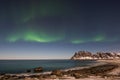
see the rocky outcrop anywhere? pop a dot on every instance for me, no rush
(38, 69)
(83, 55)
(57, 72)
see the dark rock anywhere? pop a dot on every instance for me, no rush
(7, 76)
(38, 69)
(77, 75)
(57, 72)
(28, 71)
(2, 73)
(46, 76)
(21, 77)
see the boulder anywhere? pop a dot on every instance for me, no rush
(28, 71)
(57, 72)
(38, 69)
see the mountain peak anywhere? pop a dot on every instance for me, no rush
(85, 55)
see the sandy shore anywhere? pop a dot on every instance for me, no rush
(115, 71)
(104, 70)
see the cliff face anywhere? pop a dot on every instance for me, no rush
(99, 55)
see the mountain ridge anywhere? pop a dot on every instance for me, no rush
(85, 55)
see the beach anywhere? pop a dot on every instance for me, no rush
(103, 70)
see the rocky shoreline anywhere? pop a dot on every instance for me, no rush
(99, 71)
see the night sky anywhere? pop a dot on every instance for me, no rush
(55, 29)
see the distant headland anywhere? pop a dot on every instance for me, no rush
(85, 55)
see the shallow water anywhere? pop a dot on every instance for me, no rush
(20, 66)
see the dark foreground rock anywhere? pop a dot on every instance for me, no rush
(57, 72)
(38, 69)
(29, 70)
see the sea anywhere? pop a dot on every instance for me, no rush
(21, 66)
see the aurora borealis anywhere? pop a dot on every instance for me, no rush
(57, 28)
(34, 37)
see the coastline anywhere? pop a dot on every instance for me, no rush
(72, 73)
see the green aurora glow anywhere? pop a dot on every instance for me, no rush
(98, 38)
(31, 36)
(42, 37)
